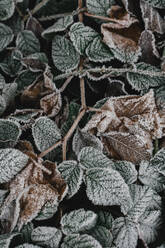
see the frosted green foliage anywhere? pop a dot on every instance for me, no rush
(26, 232)
(12, 162)
(90, 157)
(10, 132)
(160, 93)
(27, 42)
(26, 245)
(64, 55)
(7, 8)
(61, 25)
(46, 236)
(152, 173)
(25, 78)
(2, 82)
(144, 77)
(81, 36)
(80, 241)
(125, 56)
(160, 4)
(35, 62)
(97, 51)
(125, 233)
(82, 139)
(127, 170)
(105, 219)
(6, 36)
(11, 64)
(106, 187)
(103, 235)
(72, 174)
(15, 23)
(47, 212)
(5, 239)
(78, 221)
(2, 196)
(73, 112)
(45, 133)
(99, 7)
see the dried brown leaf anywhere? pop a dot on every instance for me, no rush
(33, 25)
(152, 20)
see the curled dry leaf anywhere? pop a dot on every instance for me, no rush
(152, 20)
(31, 189)
(43, 94)
(123, 32)
(127, 125)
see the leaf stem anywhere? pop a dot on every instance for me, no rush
(104, 18)
(65, 84)
(80, 15)
(44, 153)
(36, 8)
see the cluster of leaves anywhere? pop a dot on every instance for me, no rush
(49, 51)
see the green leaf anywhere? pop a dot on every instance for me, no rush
(97, 51)
(10, 132)
(82, 139)
(45, 133)
(103, 235)
(26, 245)
(12, 161)
(64, 55)
(80, 241)
(26, 232)
(27, 42)
(72, 174)
(25, 78)
(127, 170)
(160, 4)
(15, 23)
(46, 236)
(7, 8)
(144, 77)
(90, 157)
(152, 173)
(81, 36)
(6, 36)
(125, 233)
(105, 219)
(47, 212)
(106, 187)
(5, 239)
(61, 25)
(125, 56)
(99, 7)
(78, 221)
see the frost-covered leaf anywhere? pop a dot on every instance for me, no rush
(156, 3)
(60, 25)
(15, 23)
(103, 235)
(6, 35)
(27, 42)
(72, 174)
(90, 157)
(144, 77)
(25, 78)
(105, 219)
(106, 187)
(47, 211)
(82, 139)
(26, 232)
(45, 133)
(7, 8)
(5, 239)
(127, 170)
(99, 7)
(125, 233)
(97, 51)
(10, 132)
(152, 173)
(12, 162)
(152, 19)
(2, 196)
(35, 62)
(78, 221)
(11, 64)
(80, 241)
(64, 55)
(35, 26)
(24, 116)
(81, 36)
(46, 236)
(122, 35)
(26, 245)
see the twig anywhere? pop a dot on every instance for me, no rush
(94, 109)
(18, 9)
(82, 86)
(42, 154)
(65, 84)
(71, 130)
(36, 8)
(104, 18)
(41, 166)
(80, 15)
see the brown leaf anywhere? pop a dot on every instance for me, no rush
(33, 25)
(123, 32)
(152, 20)
(34, 64)
(128, 122)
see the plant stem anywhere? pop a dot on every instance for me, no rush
(42, 154)
(104, 18)
(36, 8)
(80, 15)
(39, 165)
(65, 84)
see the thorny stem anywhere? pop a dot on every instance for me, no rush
(36, 8)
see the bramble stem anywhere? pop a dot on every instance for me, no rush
(65, 84)
(42, 154)
(36, 8)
